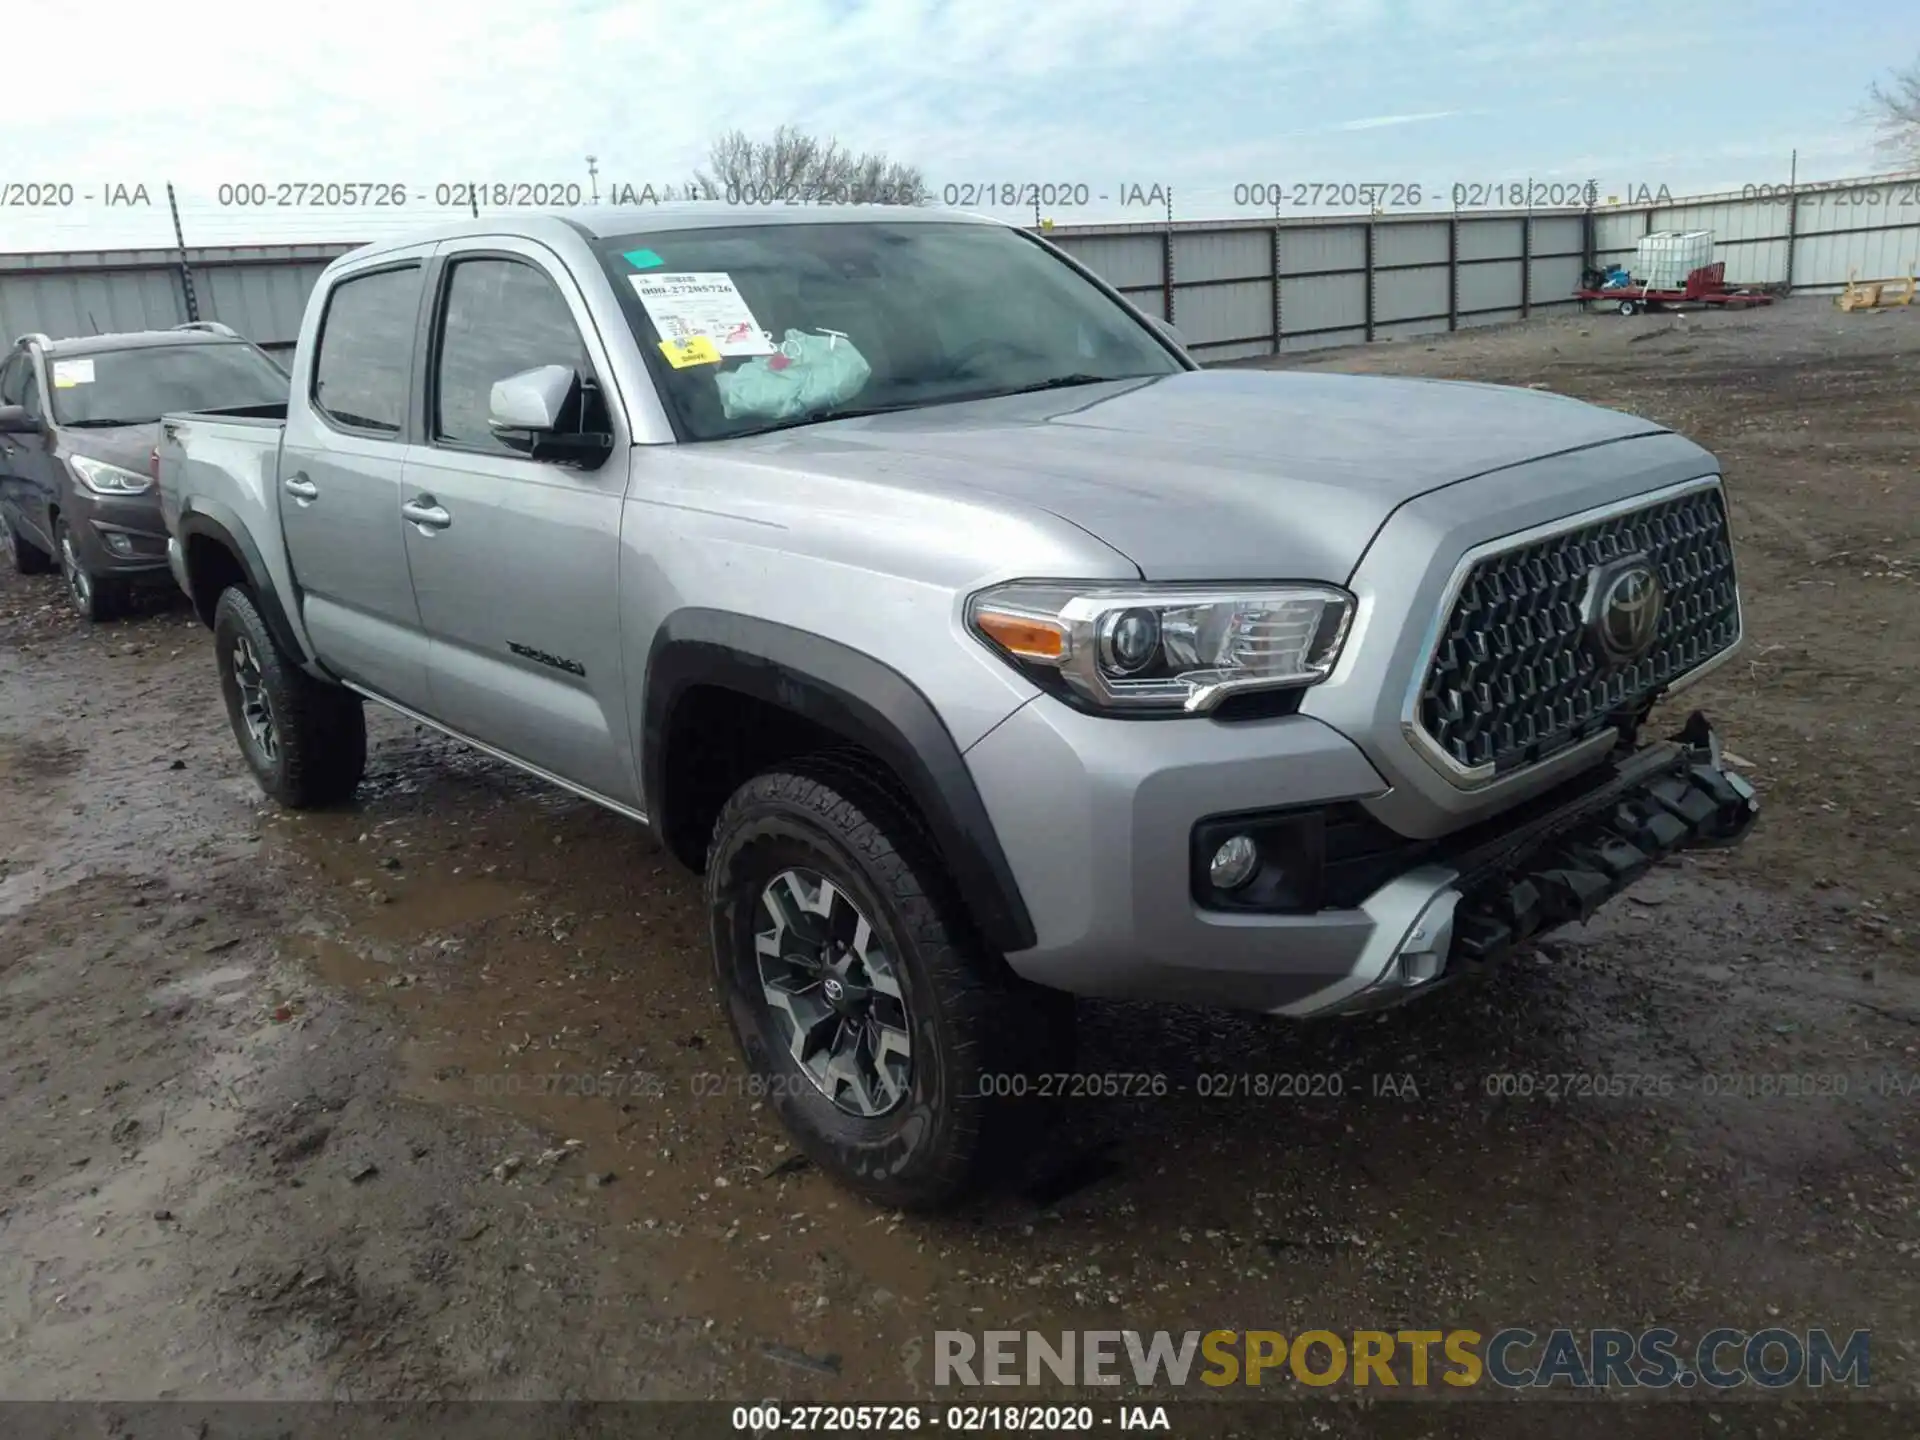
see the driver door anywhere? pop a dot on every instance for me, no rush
(515, 561)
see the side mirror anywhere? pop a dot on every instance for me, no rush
(1169, 330)
(14, 420)
(538, 412)
(532, 401)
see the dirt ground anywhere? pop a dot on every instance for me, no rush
(431, 1098)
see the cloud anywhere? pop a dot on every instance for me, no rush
(1381, 122)
(1199, 94)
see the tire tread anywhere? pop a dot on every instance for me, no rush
(998, 1024)
(323, 730)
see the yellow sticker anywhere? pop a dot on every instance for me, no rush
(64, 382)
(695, 350)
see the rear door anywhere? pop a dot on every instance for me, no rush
(348, 426)
(516, 563)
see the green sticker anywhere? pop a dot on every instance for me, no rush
(642, 259)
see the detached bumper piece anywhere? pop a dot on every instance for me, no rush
(1561, 867)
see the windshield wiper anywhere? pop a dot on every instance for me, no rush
(1058, 382)
(820, 417)
(107, 424)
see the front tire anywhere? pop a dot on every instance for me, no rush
(94, 597)
(306, 742)
(894, 1046)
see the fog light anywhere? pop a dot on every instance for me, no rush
(1233, 863)
(118, 543)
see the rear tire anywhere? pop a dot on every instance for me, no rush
(20, 554)
(957, 1034)
(94, 597)
(305, 741)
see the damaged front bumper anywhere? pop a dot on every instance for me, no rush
(1489, 890)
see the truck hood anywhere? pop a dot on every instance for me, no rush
(1213, 473)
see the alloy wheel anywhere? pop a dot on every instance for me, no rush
(79, 583)
(255, 713)
(834, 993)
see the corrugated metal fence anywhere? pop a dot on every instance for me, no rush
(1236, 288)
(261, 291)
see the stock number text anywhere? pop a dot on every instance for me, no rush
(300, 194)
(1374, 194)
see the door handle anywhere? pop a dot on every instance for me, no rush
(300, 487)
(426, 513)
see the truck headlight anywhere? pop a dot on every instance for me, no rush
(1161, 647)
(100, 478)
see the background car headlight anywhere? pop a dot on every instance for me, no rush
(1157, 647)
(103, 479)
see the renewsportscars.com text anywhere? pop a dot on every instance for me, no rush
(1511, 1358)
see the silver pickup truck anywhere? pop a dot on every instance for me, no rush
(978, 647)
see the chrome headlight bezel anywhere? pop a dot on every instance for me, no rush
(1067, 629)
(107, 481)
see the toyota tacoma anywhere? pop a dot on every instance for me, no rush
(978, 647)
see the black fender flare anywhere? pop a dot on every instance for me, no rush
(199, 524)
(855, 696)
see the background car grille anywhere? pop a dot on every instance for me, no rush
(1513, 680)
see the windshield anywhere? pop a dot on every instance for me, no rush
(790, 324)
(138, 386)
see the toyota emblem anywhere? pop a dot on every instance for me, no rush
(1623, 609)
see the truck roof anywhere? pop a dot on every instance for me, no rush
(600, 221)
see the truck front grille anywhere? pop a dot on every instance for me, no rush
(1514, 678)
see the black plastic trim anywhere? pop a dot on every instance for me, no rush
(194, 523)
(852, 695)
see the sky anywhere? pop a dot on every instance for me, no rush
(1121, 99)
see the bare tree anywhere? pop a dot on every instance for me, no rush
(792, 165)
(1895, 109)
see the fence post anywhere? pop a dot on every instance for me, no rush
(1370, 282)
(1453, 273)
(1526, 266)
(186, 270)
(1273, 269)
(1589, 231)
(1793, 233)
(1166, 261)
(1793, 215)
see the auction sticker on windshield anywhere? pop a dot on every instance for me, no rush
(696, 351)
(702, 303)
(68, 373)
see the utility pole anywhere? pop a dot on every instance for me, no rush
(186, 271)
(593, 176)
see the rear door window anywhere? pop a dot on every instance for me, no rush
(363, 367)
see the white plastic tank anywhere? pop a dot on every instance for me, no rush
(1666, 257)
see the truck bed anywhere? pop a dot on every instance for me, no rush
(229, 462)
